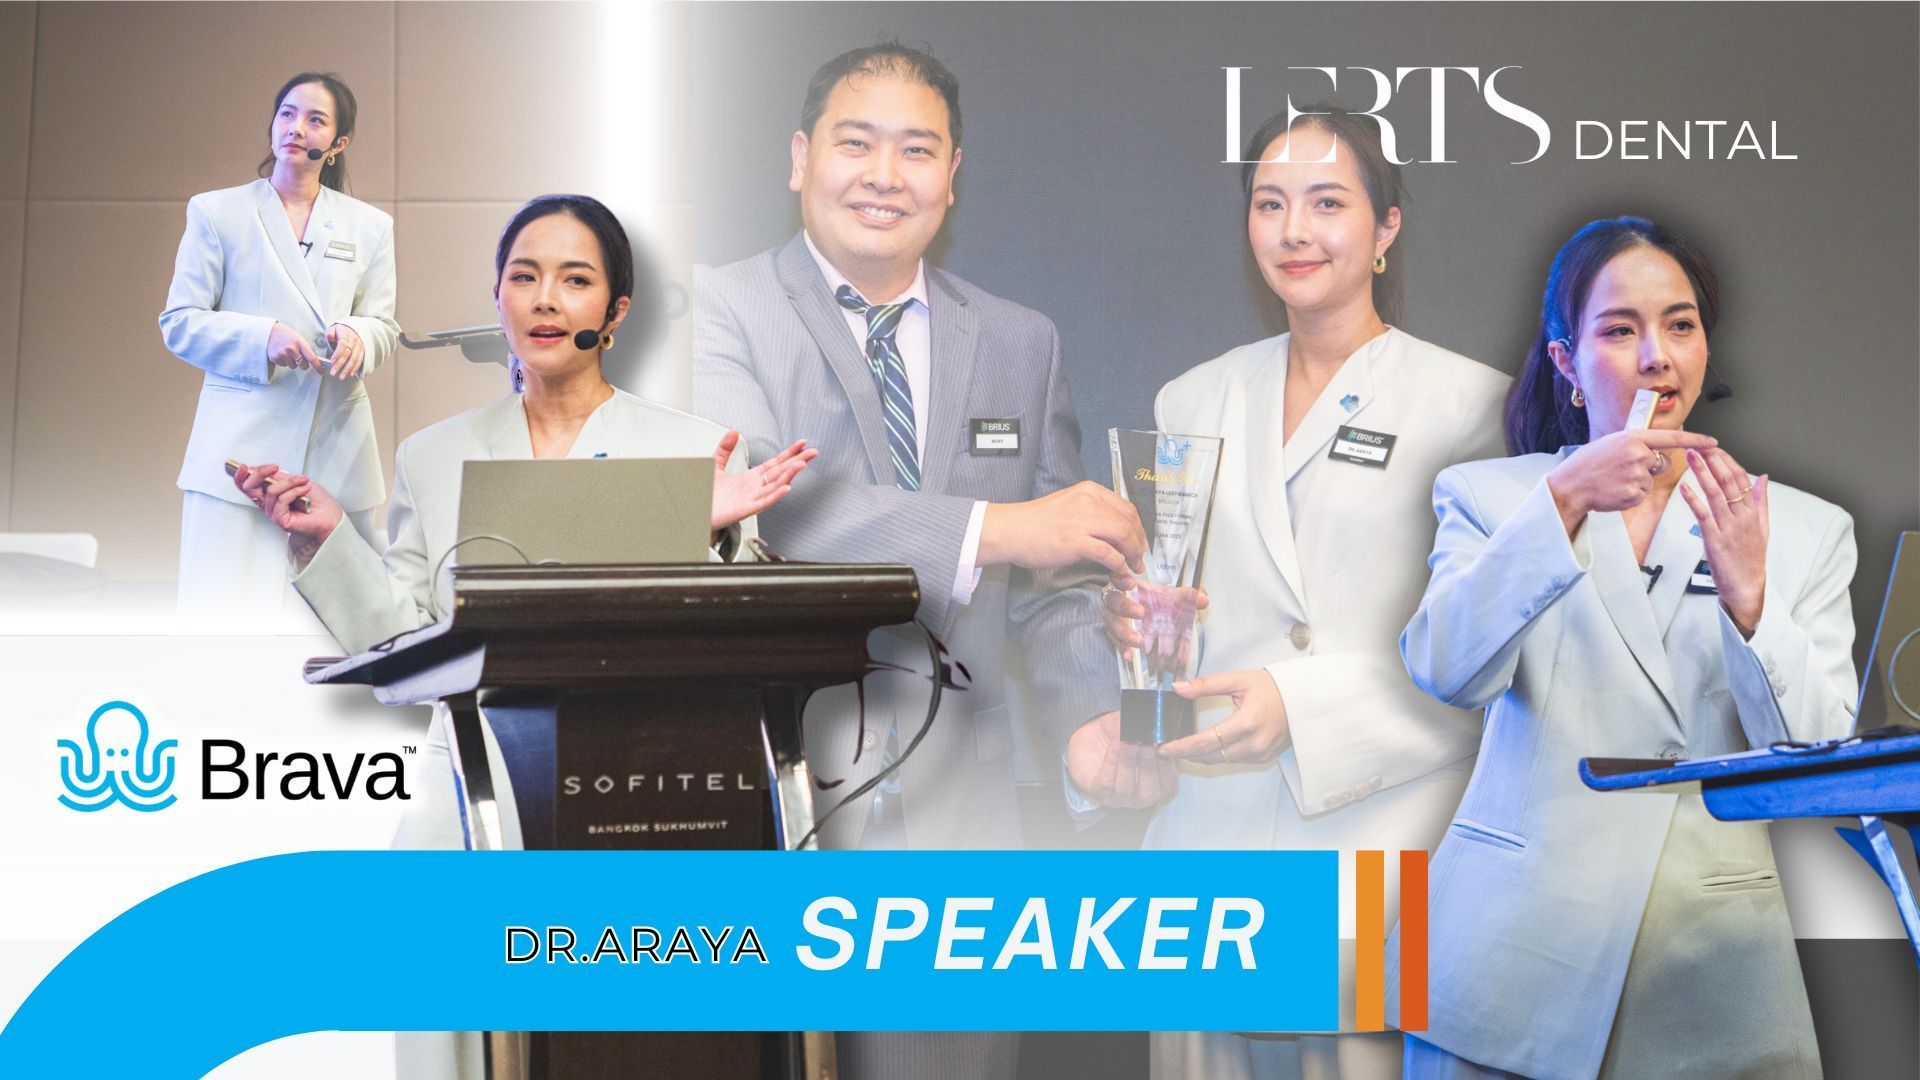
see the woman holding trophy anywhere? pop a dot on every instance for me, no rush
(1309, 732)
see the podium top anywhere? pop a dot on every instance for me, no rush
(608, 626)
(1868, 749)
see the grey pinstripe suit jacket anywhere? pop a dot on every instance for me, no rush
(774, 360)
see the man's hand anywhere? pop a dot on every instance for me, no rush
(1116, 773)
(1085, 521)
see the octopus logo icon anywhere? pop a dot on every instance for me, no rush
(120, 763)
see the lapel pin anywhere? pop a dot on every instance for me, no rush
(1350, 402)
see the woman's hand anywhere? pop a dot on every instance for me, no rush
(275, 493)
(1615, 472)
(1732, 510)
(289, 350)
(349, 352)
(1254, 733)
(740, 495)
(1157, 617)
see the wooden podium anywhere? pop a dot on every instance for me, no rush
(639, 707)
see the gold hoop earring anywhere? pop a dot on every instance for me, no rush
(606, 340)
(1579, 399)
(1380, 263)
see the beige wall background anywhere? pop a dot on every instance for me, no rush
(113, 115)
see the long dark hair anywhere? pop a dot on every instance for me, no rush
(1541, 417)
(345, 110)
(1360, 134)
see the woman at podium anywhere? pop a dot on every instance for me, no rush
(566, 281)
(1621, 588)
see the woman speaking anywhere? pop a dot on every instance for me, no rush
(566, 282)
(1594, 614)
(283, 294)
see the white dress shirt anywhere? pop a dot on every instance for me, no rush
(914, 339)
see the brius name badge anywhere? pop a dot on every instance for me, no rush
(1701, 580)
(340, 249)
(1362, 447)
(993, 438)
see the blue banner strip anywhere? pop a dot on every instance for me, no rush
(602, 941)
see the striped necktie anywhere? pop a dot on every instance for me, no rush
(890, 376)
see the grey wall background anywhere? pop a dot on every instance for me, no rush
(1091, 190)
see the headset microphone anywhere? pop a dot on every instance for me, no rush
(317, 153)
(586, 339)
(1719, 391)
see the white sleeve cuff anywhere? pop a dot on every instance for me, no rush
(968, 575)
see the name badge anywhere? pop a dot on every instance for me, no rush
(1362, 447)
(338, 249)
(1701, 580)
(993, 438)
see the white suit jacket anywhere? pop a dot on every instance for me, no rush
(239, 270)
(1539, 887)
(1374, 763)
(365, 598)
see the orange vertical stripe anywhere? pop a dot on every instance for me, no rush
(1413, 941)
(1370, 940)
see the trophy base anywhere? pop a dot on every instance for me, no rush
(1154, 716)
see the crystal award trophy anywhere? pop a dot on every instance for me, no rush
(1169, 480)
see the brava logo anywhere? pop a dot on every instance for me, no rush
(120, 763)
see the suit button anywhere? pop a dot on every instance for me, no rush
(1301, 635)
(1671, 753)
(867, 740)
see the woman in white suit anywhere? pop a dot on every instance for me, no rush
(283, 294)
(563, 266)
(1310, 735)
(1577, 934)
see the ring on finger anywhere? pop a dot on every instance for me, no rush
(1659, 464)
(1740, 497)
(1223, 745)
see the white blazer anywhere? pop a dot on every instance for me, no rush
(239, 270)
(1318, 597)
(366, 598)
(1539, 887)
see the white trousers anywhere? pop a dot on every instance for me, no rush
(234, 576)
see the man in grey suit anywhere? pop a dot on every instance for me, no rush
(947, 441)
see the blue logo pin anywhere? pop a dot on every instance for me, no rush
(120, 763)
(1350, 402)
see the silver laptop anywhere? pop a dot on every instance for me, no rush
(585, 510)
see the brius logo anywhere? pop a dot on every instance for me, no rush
(120, 763)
